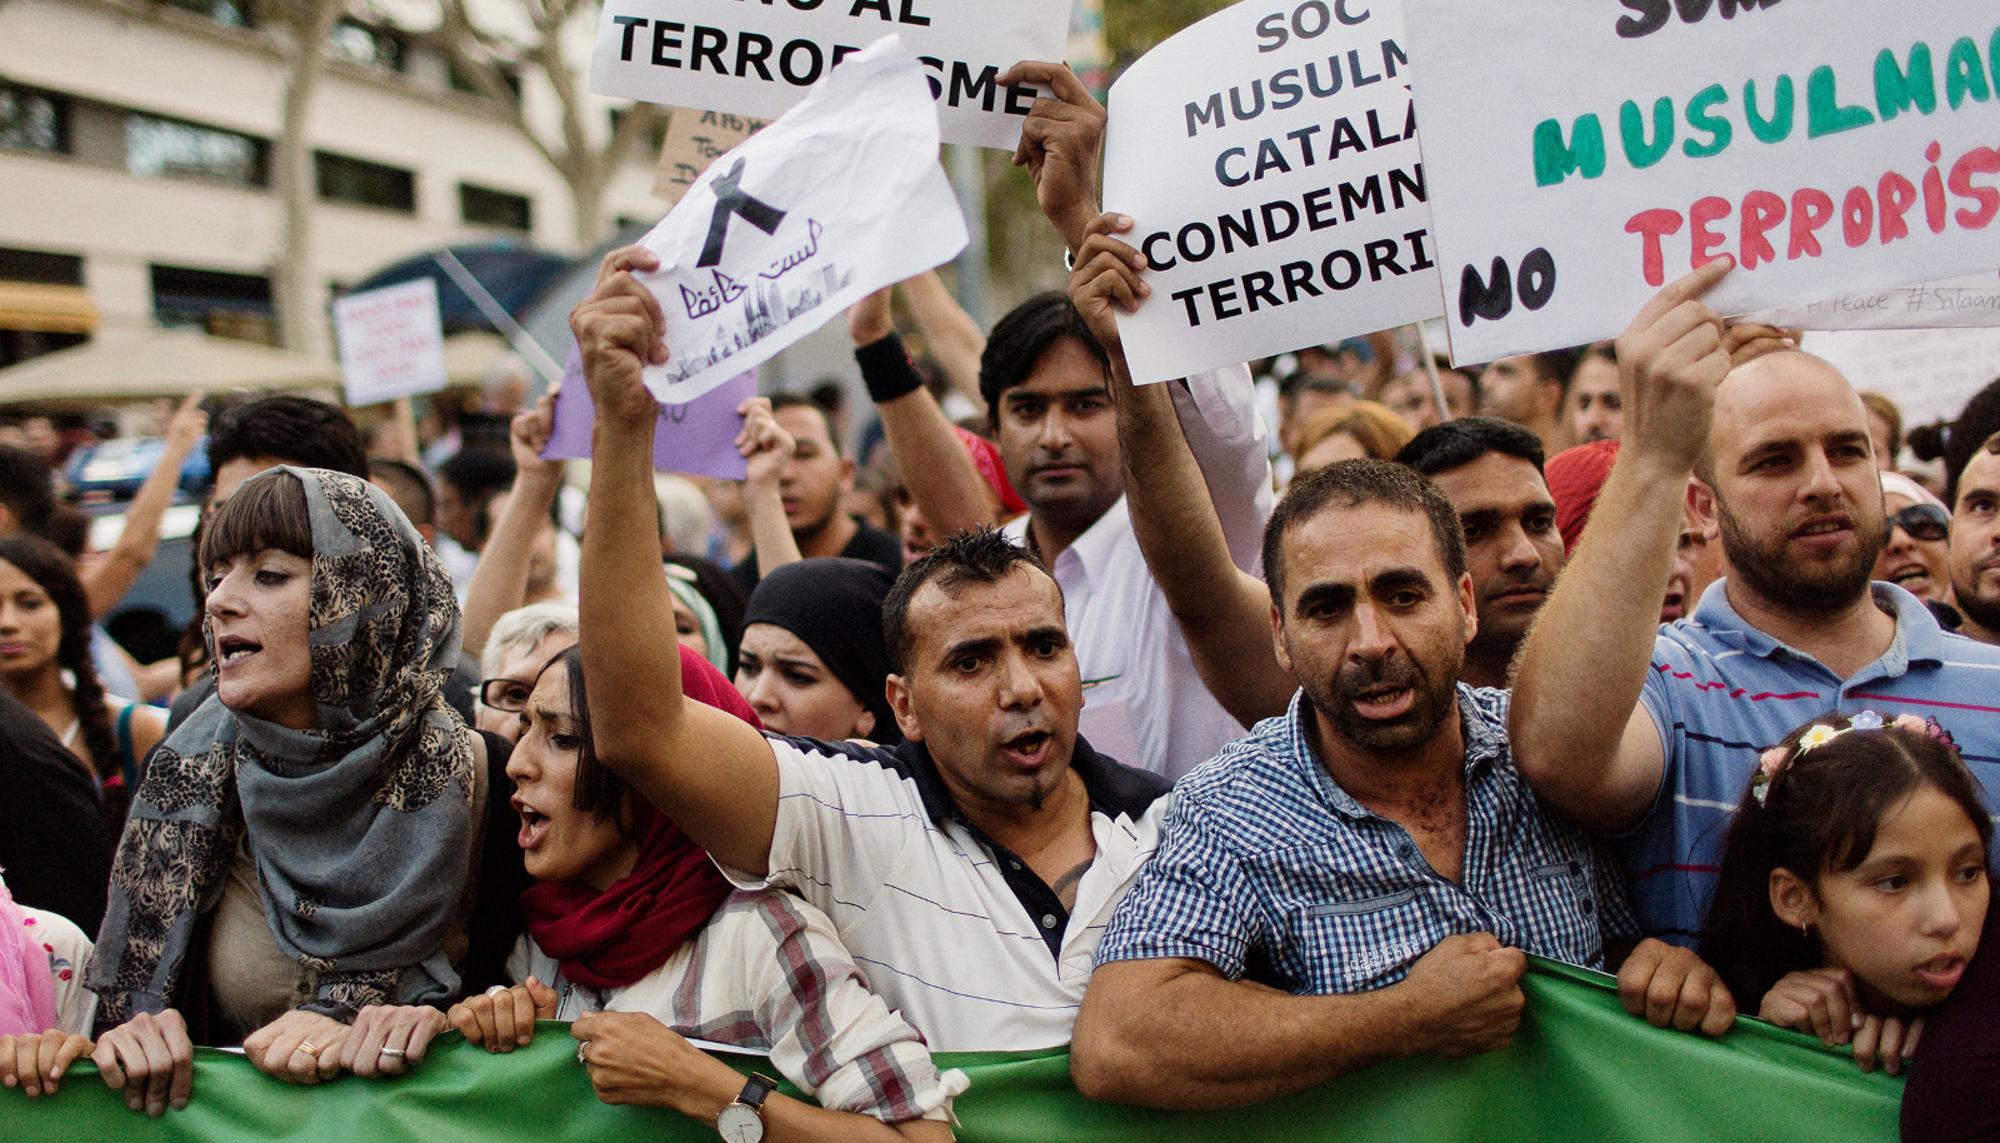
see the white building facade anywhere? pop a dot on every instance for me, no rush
(136, 142)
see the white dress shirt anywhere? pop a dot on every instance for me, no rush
(1143, 700)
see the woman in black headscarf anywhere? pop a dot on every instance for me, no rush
(812, 662)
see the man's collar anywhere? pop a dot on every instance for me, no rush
(1092, 547)
(1918, 639)
(1114, 789)
(1485, 743)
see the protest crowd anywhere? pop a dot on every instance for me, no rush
(1239, 732)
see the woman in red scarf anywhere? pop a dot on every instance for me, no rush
(643, 944)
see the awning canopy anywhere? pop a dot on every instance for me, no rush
(41, 308)
(513, 274)
(158, 363)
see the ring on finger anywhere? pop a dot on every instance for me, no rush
(579, 1052)
(309, 1048)
(393, 1053)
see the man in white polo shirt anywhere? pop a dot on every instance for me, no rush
(971, 870)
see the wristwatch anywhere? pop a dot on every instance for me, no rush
(743, 1120)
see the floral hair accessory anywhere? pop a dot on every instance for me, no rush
(1769, 765)
(1774, 761)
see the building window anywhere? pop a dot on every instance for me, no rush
(460, 81)
(229, 13)
(168, 147)
(484, 206)
(357, 43)
(33, 121)
(358, 181)
(41, 267)
(215, 301)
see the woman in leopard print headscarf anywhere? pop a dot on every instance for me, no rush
(326, 774)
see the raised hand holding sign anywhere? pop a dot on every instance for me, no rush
(840, 196)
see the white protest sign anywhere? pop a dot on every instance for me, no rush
(758, 57)
(1930, 374)
(1266, 155)
(1959, 303)
(694, 140)
(841, 196)
(391, 342)
(1581, 153)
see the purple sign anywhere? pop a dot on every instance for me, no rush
(697, 438)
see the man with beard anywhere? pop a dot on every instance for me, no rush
(1975, 544)
(1653, 733)
(1491, 471)
(1357, 880)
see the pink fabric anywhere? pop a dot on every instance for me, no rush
(27, 994)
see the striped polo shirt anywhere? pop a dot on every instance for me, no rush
(1721, 692)
(1269, 870)
(954, 931)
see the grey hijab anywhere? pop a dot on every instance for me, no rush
(362, 830)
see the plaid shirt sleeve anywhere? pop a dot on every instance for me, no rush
(1189, 901)
(829, 1034)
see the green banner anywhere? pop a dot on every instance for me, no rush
(1581, 1069)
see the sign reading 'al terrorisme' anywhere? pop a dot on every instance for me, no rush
(1583, 153)
(839, 197)
(759, 57)
(1268, 158)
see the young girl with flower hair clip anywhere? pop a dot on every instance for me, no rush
(1853, 887)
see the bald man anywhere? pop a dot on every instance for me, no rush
(1651, 733)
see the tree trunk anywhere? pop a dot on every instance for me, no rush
(586, 192)
(300, 307)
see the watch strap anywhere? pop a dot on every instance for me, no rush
(756, 1090)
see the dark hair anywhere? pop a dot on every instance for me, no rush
(1558, 365)
(725, 596)
(46, 564)
(599, 792)
(976, 555)
(1020, 339)
(69, 529)
(408, 485)
(794, 401)
(27, 488)
(479, 475)
(1958, 442)
(268, 511)
(1818, 816)
(1352, 483)
(1452, 444)
(297, 430)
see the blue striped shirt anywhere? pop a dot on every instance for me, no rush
(1267, 868)
(1720, 692)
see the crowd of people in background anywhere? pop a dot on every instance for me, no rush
(1240, 731)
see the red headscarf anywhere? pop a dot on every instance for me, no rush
(614, 938)
(1576, 476)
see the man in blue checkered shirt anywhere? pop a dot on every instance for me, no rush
(1358, 879)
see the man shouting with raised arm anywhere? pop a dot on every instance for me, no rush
(1652, 732)
(973, 867)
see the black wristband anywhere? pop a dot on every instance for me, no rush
(886, 369)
